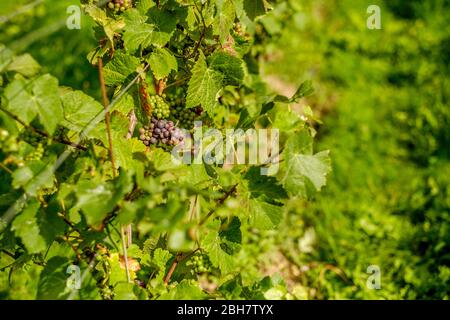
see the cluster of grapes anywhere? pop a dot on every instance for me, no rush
(161, 131)
(120, 5)
(185, 117)
(37, 153)
(161, 110)
(201, 263)
(107, 293)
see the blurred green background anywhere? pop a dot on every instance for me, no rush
(383, 99)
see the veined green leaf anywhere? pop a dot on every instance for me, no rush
(303, 174)
(96, 200)
(162, 62)
(231, 67)
(224, 19)
(120, 68)
(254, 8)
(264, 215)
(39, 97)
(204, 86)
(79, 110)
(26, 227)
(25, 65)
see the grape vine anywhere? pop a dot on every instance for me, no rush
(111, 200)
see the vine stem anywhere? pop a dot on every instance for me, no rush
(202, 35)
(175, 83)
(5, 168)
(178, 259)
(220, 202)
(107, 114)
(43, 133)
(125, 254)
(123, 229)
(131, 127)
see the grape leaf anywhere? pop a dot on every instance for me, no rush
(158, 259)
(284, 118)
(185, 290)
(224, 19)
(140, 33)
(204, 86)
(27, 229)
(212, 245)
(254, 8)
(39, 97)
(6, 57)
(303, 174)
(34, 176)
(124, 291)
(305, 89)
(138, 36)
(162, 63)
(231, 67)
(231, 236)
(264, 215)
(120, 68)
(262, 186)
(109, 25)
(165, 23)
(96, 200)
(25, 65)
(79, 109)
(53, 280)
(123, 148)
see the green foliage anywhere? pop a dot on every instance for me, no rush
(383, 96)
(204, 86)
(80, 190)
